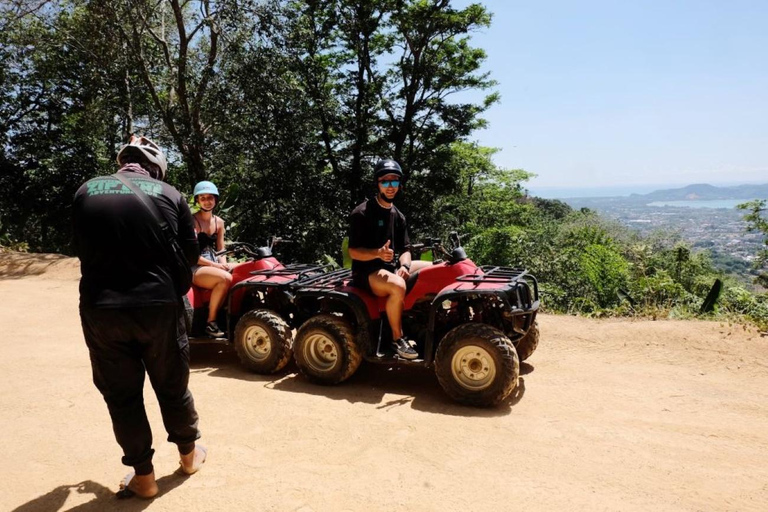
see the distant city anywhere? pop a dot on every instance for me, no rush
(703, 215)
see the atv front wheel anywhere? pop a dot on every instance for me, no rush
(325, 350)
(477, 364)
(526, 345)
(262, 341)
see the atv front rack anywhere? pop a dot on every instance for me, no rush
(493, 274)
(518, 280)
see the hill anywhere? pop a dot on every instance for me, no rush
(705, 192)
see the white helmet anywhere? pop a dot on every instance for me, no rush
(147, 149)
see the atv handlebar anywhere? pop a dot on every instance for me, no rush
(252, 250)
(430, 243)
(436, 245)
(233, 247)
(274, 240)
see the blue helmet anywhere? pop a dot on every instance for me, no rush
(206, 187)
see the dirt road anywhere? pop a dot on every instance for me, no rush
(609, 415)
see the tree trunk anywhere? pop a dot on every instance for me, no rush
(195, 165)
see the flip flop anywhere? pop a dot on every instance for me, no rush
(126, 492)
(194, 470)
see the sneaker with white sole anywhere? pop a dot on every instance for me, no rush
(404, 349)
(213, 330)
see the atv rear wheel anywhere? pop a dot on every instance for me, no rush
(477, 364)
(526, 345)
(325, 350)
(262, 341)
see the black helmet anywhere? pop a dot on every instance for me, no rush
(386, 166)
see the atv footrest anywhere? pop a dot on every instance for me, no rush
(392, 359)
(200, 340)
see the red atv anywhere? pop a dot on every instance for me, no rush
(259, 312)
(474, 324)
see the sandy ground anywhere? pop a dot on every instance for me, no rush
(609, 415)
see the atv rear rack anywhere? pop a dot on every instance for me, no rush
(328, 280)
(301, 271)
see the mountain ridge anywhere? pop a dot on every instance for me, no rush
(705, 192)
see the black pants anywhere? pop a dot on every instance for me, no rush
(125, 342)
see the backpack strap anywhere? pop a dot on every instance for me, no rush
(146, 201)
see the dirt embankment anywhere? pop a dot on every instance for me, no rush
(608, 415)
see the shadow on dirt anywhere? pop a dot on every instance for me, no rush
(103, 497)
(16, 265)
(371, 384)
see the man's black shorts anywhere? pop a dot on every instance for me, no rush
(361, 281)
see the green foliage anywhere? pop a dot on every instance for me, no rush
(292, 101)
(756, 221)
(499, 246)
(737, 300)
(57, 118)
(604, 271)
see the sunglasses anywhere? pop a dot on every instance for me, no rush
(390, 183)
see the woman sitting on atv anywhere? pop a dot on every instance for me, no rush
(211, 272)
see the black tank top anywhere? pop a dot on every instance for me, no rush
(207, 242)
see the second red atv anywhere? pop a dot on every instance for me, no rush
(473, 324)
(259, 313)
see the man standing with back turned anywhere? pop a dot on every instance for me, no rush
(131, 311)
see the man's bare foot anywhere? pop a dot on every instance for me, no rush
(193, 461)
(143, 486)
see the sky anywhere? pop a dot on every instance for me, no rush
(625, 95)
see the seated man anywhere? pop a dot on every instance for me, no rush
(377, 230)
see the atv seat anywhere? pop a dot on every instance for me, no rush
(377, 305)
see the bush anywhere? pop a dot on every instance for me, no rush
(737, 300)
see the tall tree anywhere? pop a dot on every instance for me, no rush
(380, 75)
(61, 108)
(177, 47)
